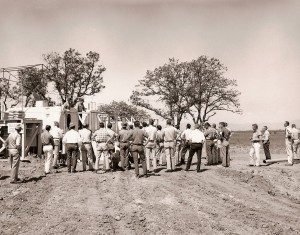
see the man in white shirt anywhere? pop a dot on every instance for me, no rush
(72, 141)
(86, 147)
(295, 139)
(196, 140)
(185, 136)
(255, 146)
(266, 142)
(150, 145)
(57, 135)
(289, 143)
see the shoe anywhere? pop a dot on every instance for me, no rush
(137, 176)
(55, 167)
(198, 171)
(121, 169)
(146, 176)
(186, 169)
(250, 165)
(74, 171)
(289, 164)
(155, 171)
(168, 171)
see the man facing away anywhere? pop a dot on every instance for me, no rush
(169, 135)
(178, 146)
(295, 139)
(223, 136)
(123, 138)
(138, 136)
(196, 140)
(266, 142)
(289, 143)
(111, 143)
(211, 150)
(160, 145)
(72, 141)
(86, 147)
(13, 145)
(48, 143)
(57, 135)
(150, 145)
(254, 151)
(101, 136)
(185, 136)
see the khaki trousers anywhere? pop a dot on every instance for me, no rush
(150, 154)
(289, 150)
(170, 157)
(48, 153)
(14, 162)
(254, 154)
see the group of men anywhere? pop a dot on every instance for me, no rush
(292, 135)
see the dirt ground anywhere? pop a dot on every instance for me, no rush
(235, 200)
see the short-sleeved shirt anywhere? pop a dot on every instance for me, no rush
(112, 134)
(85, 135)
(256, 136)
(224, 133)
(13, 141)
(46, 138)
(101, 135)
(186, 134)
(72, 137)
(169, 134)
(138, 136)
(159, 136)
(197, 137)
(124, 136)
(266, 135)
(210, 133)
(288, 131)
(295, 134)
(56, 132)
(151, 131)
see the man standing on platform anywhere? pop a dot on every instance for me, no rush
(57, 135)
(150, 145)
(138, 136)
(289, 143)
(211, 150)
(72, 141)
(13, 144)
(185, 136)
(196, 140)
(86, 147)
(266, 142)
(169, 135)
(48, 143)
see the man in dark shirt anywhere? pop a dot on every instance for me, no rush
(138, 136)
(123, 139)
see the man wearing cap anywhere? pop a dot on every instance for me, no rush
(223, 136)
(254, 151)
(138, 136)
(72, 141)
(48, 143)
(86, 147)
(289, 143)
(295, 139)
(266, 142)
(169, 135)
(57, 135)
(196, 140)
(13, 144)
(123, 138)
(185, 136)
(102, 137)
(150, 145)
(211, 150)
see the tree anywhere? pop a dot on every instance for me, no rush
(209, 91)
(33, 81)
(168, 85)
(9, 92)
(73, 75)
(122, 109)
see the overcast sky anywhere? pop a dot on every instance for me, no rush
(257, 40)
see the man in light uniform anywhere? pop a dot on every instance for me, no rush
(160, 154)
(150, 145)
(185, 136)
(178, 146)
(295, 139)
(211, 150)
(289, 143)
(57, 135)
(223, 136)
(86, 147)
(13, 144)
(169, 135)
(254, 151)
(111, 144)
(73, 142)
(124, 138)
(196, 140)
(48, 143)
(101, 136)
(266, 142)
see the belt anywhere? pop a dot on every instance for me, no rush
(256, 141)
(169, 141)
(86, 142)
(197, 143)
(46, 144)
(104, 142)
(209, 139)
(12, 149)
(137, 144)
(56, 138)
(124, 142)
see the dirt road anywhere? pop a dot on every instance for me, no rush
(236, 200)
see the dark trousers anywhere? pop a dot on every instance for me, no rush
(139, 150)
(115, 160)
(266, 147)
(124, 148)
(72, 150)
(195, 148)
(185, 148)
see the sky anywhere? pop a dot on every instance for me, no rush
(257, 40)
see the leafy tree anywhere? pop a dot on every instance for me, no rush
(209, 90)
(74, 75)
(168, 85)
(123, 109)
(9, 92)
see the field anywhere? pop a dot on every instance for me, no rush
(235, 200)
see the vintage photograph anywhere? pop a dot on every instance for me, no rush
(150, 117)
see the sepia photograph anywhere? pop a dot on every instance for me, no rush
(150, 117)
